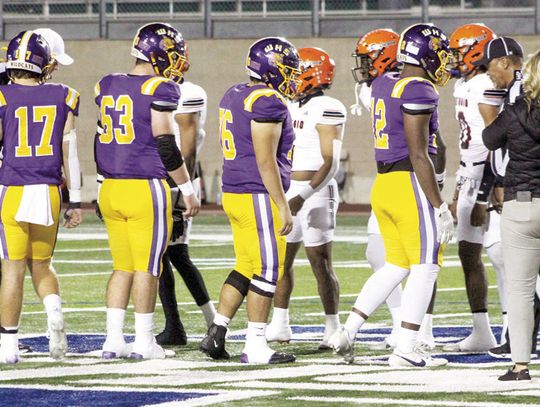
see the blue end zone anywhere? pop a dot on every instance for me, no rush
(90, 398)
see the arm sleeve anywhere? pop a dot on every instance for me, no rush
(494, 135)
(192, 100)
(268, 107)
(419, 97)
(333, 113)
(166, 97)
(488, 94)
(72, 100)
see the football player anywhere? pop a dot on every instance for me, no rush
(189, 132)
(477, 104)
(376, 54)
(135, 153)
(257, 137)
(319, 123)
(405, 121)
(38, 126)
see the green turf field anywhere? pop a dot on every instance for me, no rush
(83, 263)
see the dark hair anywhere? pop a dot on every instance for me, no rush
(515, 59)
(22, 74)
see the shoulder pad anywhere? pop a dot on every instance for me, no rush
(412, 83)
(256, 94)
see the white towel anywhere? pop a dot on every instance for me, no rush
(35, 205)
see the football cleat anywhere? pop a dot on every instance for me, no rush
(275, 359)
(57, 337)
(472, 343)
(341, 343)
(324, 345)
(416, 358)
(172, 337)
(25, 348)
(115, 350)
(504, 352)
(151, 351)
(213, 343)
(510, 375)
(281, 334)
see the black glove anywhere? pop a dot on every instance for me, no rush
(178, 224)
(72, 205)
(98, 212)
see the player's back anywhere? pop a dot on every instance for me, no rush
(127, 148)
(391, 96)
(239, 106)
(33, 120)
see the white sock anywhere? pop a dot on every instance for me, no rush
(504, 328)
(481, 323)
(115, 324)
(280, 317)
(52, 303)
(331, 325)
(9, 343)
(353, 324)
(417, 293)
(494, 253)
(378, 287)
(144, 326)
(256, 346)
(209, 312)
(396, 319)
(221, 320)
(407, 340)
(426, 329)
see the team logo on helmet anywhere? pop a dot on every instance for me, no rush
(317, 71)
(467, 45)
(375, 54)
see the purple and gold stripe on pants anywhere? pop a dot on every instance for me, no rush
(429, 246)
(160, 232)
(267, 238)
(3, 244)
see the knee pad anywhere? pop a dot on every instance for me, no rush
(262, 287)
(238, 281)
(424, 272)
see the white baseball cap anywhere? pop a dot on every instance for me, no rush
(56, 43)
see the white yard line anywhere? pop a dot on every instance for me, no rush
(401, 402)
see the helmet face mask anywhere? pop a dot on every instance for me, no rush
(375, 54)
(427, 46)
(467, 44)
(275, 61)
(164, 48)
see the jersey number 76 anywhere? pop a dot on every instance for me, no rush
(227, 138)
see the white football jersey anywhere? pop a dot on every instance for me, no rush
(192, 100)
(318, 110)
(469, 94)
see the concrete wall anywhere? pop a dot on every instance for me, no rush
(218, 64)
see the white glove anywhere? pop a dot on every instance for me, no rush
(362, 93)
(445, 223)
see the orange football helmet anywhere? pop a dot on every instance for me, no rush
(467, 44)
(317, 70)
(375, 54)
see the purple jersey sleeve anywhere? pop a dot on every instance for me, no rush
(72, 100)
(419, 96)
(166, 96)
(266, 105)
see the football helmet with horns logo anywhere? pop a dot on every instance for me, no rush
(275, 61)
(162, 46)
(467, 44)
(427, 46)
(317, 70)
(375, 54)
(28, 51)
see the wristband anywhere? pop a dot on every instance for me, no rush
(75, 195)
(186, 188)
(440, 177)
(306, 192)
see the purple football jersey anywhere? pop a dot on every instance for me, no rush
(127, 148)
(388, 94)
(33, 120)
(239, 106)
